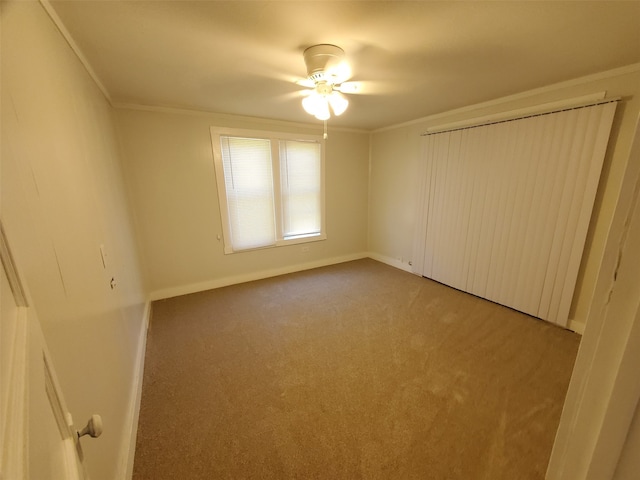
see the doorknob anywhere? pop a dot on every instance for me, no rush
(93, 428)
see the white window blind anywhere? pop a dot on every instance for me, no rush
(504, 208)
(248, 180)
(270, 188)
(300, 173)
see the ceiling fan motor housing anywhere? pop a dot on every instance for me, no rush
(320, 59)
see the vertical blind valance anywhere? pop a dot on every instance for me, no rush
(504, 208)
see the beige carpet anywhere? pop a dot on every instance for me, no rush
(354, 371)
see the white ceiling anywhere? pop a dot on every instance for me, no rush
(414, 58)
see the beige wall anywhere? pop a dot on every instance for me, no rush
(169, 168)
(62, 197)
(396, 153)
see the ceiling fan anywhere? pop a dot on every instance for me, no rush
(327, 75)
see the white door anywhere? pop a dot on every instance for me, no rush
(37, 440)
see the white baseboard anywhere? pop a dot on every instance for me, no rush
(391, 261)
(576, 326)
(249, 277)
(127, 454)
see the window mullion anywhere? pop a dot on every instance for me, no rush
(277, 192)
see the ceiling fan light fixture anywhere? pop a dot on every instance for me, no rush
(323, 112)
(310, 103)
(317, 105)
(338, 103)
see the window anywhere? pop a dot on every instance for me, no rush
(270, 187)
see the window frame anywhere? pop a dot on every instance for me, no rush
(274, 138)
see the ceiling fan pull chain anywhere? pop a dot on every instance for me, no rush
(325, 130)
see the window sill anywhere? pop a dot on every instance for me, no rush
(283, 243)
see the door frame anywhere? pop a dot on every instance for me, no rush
(13, 455)
(605, 388)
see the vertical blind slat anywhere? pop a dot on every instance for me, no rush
(421, 224)
(459, 236)
(477, 212)
(548, 261)
(489, 184)
(440, 192)
(598, 150)
(531, 209)
(532, 286)
(563, 219)
(507, 143)
(510, 272)
(428, 257)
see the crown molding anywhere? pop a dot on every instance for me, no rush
(616, 72)
(230, 116)
(74, 47)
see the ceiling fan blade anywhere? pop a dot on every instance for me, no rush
(289, 96)
(339, 73)
(306, 82)
(368, 87)
(349, 87)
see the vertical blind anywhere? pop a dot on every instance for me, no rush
(504, 208)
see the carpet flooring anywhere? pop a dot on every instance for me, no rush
(352, 371)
